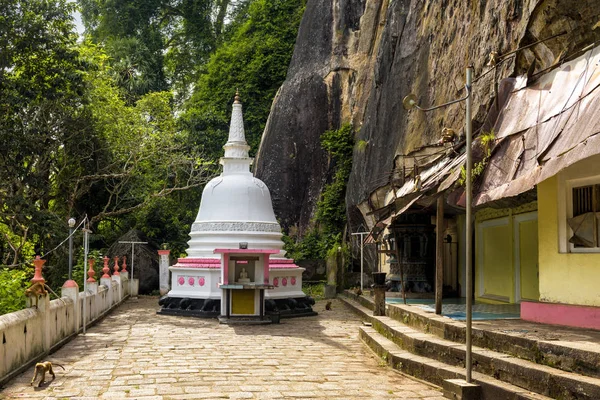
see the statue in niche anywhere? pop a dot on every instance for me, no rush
(243, 276)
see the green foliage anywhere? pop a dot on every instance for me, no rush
(13, 283)
(330, 216)
(74, 146)
(486, 140)
(314, 290)
(253, 60)
(361, 145)
(93, 128)
(41, 93)
(331, 208)
(154, 45)
(314, 245)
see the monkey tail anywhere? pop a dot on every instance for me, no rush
(58, 365)
(52, 291)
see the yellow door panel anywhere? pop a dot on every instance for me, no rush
(497, 261)
(242, 302)
(528, 259)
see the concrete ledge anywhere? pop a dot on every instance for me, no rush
(423, 350)
(459, 389)
(561, 314)
(555, 354)
(437, 372)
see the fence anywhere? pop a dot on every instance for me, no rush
(30, 334)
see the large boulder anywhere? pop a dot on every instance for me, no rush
(355, 60)
(145, 267)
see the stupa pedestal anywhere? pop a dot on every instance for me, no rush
(235, 215)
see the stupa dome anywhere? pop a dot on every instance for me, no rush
(236, 207)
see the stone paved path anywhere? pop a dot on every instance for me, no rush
(136, 354)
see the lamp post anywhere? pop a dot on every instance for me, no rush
(86, 250)
(410, 101)
(71, 223)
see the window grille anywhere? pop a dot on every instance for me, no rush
(586, 200)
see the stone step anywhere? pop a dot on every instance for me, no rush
(525, 374)
(436, 372)
(582, 358)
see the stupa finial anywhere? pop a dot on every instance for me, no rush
(236, 146)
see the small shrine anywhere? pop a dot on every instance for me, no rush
(244, 277)
(235, 265)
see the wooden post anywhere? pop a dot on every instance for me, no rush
(439, 254)
(400, 265)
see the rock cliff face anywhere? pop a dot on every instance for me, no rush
(355, 60)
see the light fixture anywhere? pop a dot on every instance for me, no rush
(243, 245)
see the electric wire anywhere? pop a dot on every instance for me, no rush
(54, 249)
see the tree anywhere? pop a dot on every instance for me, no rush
(41, 87)
(133, 155)
(254, 59)
(163, 43)
(72, 144)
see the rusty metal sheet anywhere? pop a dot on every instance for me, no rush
(527, 155)
(411, 192)
(584, 122)
(550, 95)
(379, 227)
(453, 172)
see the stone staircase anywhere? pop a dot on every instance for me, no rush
(432, 348)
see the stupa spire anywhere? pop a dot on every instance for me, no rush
(236, 159)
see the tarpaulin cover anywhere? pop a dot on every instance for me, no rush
(544, 128)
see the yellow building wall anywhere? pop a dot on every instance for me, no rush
(569, 278)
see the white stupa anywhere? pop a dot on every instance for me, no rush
(236, 207)
(235, 212)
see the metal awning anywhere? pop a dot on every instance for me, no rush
(442, 175)
(545, 128)
(380, 226)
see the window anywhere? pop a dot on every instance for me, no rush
(585, 215)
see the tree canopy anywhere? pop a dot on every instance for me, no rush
(125, 125)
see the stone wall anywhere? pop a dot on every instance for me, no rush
(31, 334)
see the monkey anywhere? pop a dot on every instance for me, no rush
(35, 290)
(328, 305)
(41, 369)
(493, 59)
(448, 135)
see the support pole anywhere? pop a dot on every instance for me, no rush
(361, 264)
(469, 226)
(131, 285)
(439, 254)
(132, 263)
(85, 262)
(362, 258)
(401, 265)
